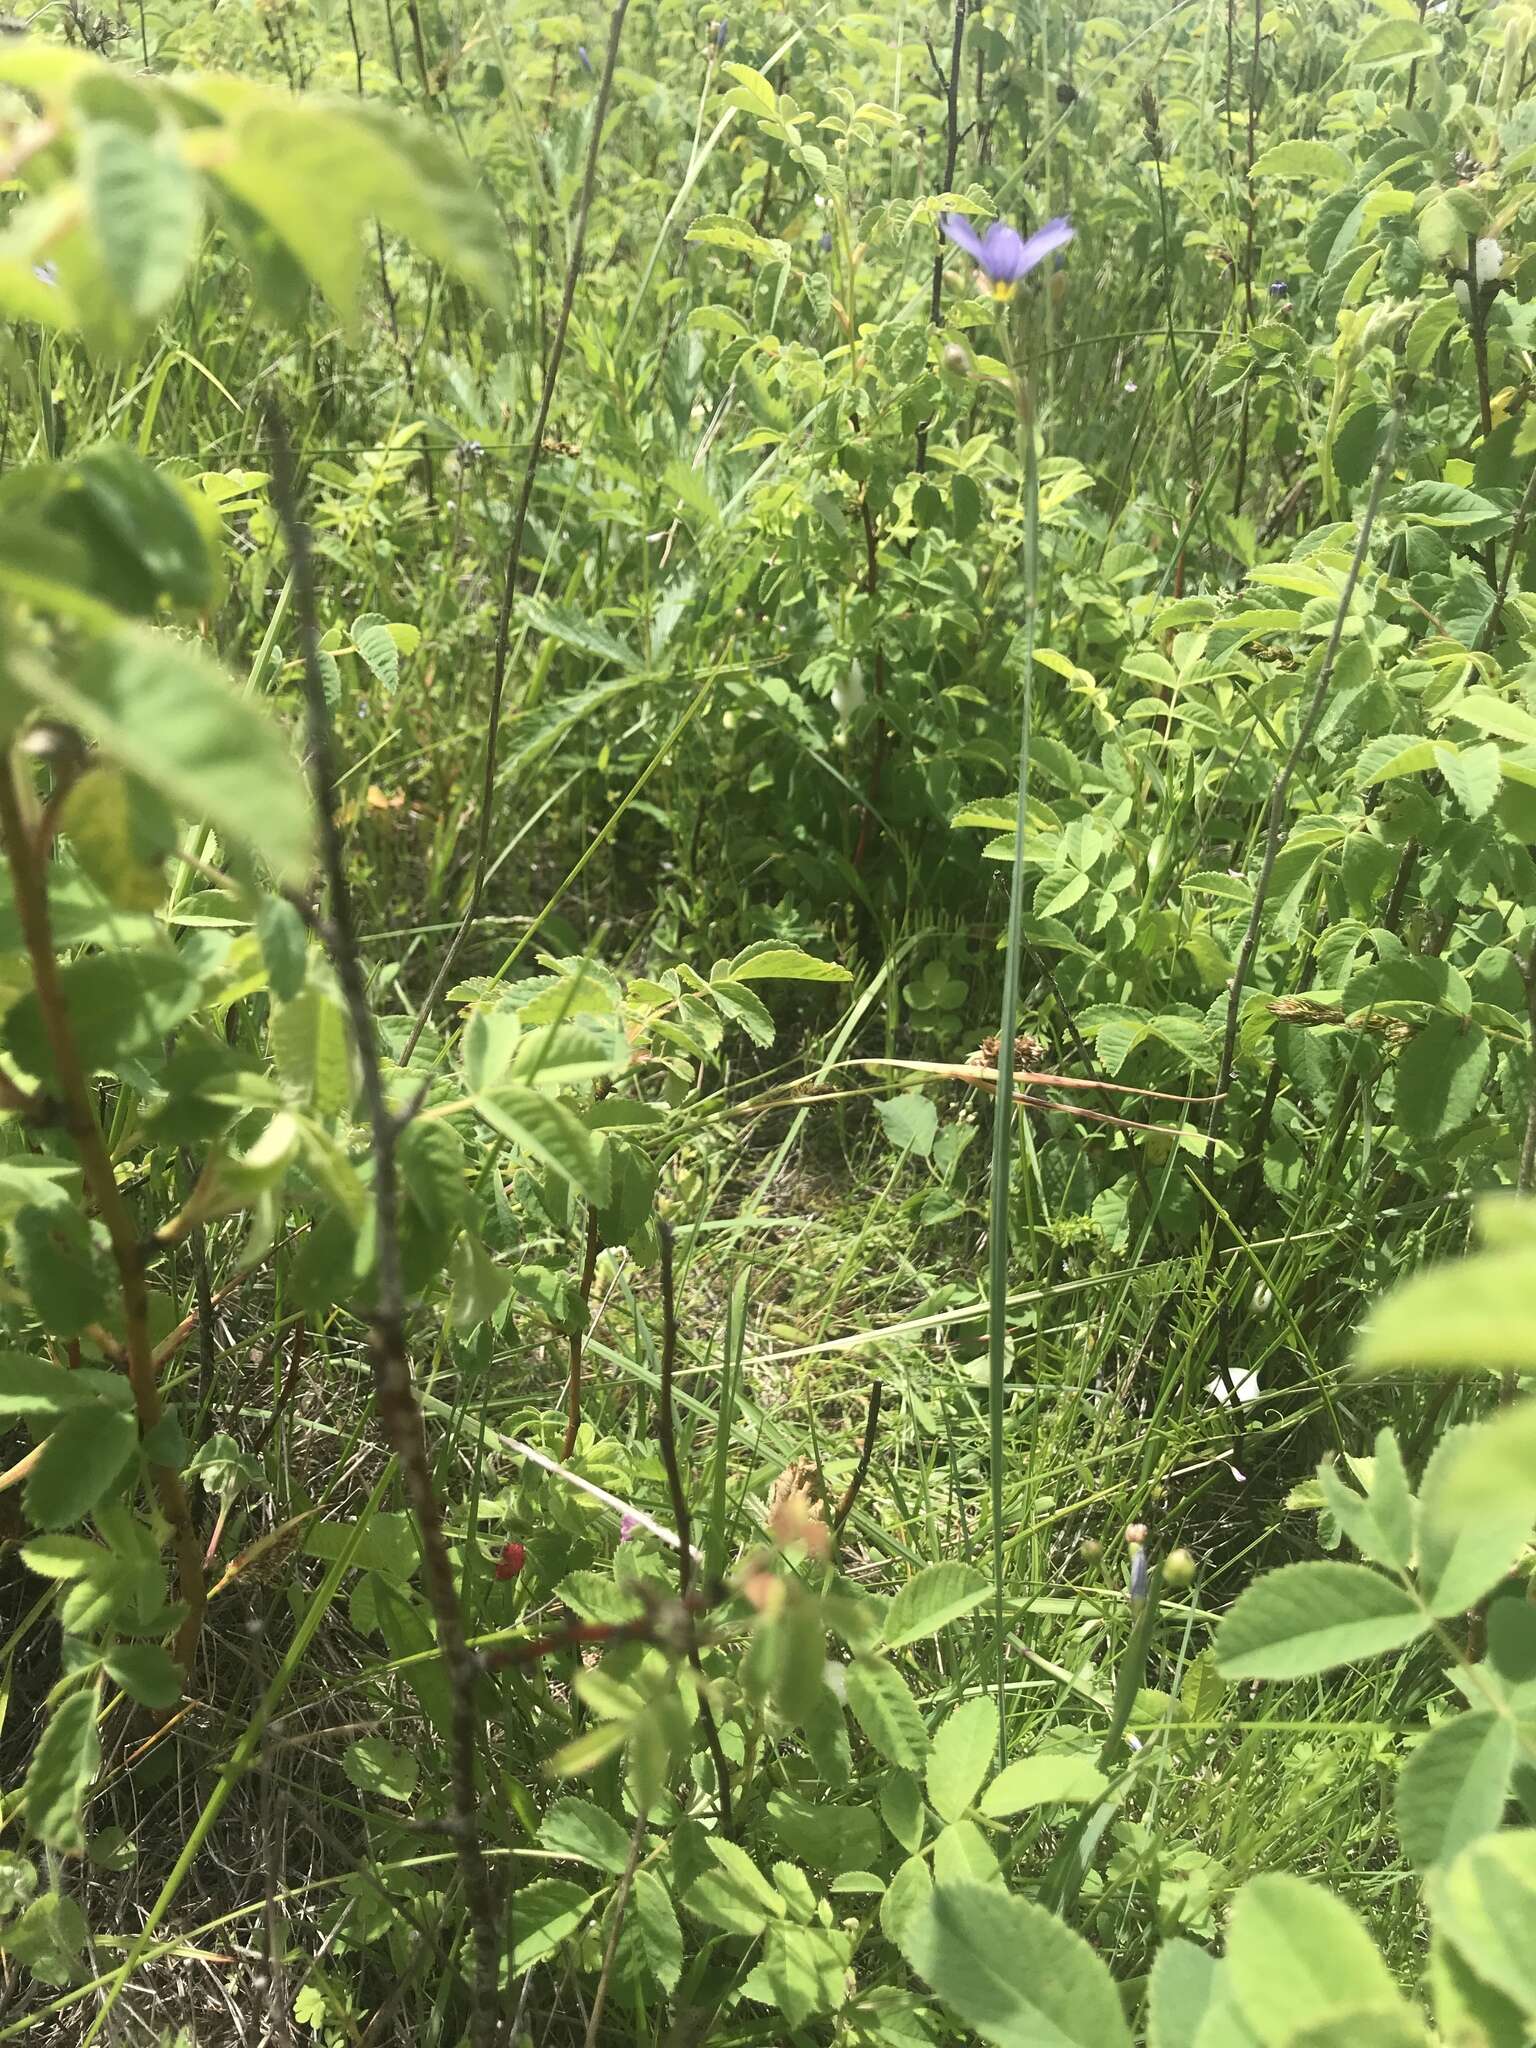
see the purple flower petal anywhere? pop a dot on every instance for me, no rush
(1002, 253)
(1042, 243)
(959, 230)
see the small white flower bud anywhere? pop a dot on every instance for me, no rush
(1489, 260)
(1463, 296)
(848, 692)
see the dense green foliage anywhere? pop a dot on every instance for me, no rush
(563, 663)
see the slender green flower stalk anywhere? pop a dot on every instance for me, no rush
(1004, 258)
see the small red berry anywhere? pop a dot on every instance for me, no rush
(510, 1562)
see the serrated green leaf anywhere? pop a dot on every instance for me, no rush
(1467, 1315)
(1310, 1617)
(1297, 1955)
(1060, 1778)
(145, 209)
(32, 1387)
(120, 838)
(575, 629)
(580, 1829)
(651, 1928)
(1180, 1993)
(119, 1003)
(1318, 163)
(1473, 776)
(962, 1753)
(930, 1600)
(1439, 318)
(1012, 1971)
(381, 1768)
(145, 1672)
(1380, 1522)
(549, 1911)
(767, 960)
(741, 1006)
(825, 1836)
(1453, 1786)
(1472, 1525)
(79, 1464)
(735, 1896)
(310, 1050)
(550, 1133)
(49, 1938)
(159, 709)
(376, 644)
(886, 1711)
(806, 1970)
(63, 1765)
(1486, 1907)
(1393, 42)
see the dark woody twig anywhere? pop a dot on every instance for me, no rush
(400, 1414)
(866, 1452)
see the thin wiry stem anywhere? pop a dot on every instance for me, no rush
(620, 1907)
(1002, 1113)
(399, 1409)
(666, 1436)
(951, 83)
(1276, 834)
(515, 544)
(578, 1339)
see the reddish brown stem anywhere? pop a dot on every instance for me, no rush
(30, 886)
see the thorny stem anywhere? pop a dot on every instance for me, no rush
(399, 1410)
(1276, 831)
(515, 544)
(30, 886)
(666, 1436)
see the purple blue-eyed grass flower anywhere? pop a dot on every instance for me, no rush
(721, 29)
(1003, 256)
(586, 61)
(826, 243)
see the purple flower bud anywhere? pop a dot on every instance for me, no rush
(826, 243)
(628, 1524)
(586, 61)
(1139, 1572)
(1279, 288)
(721, 26)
